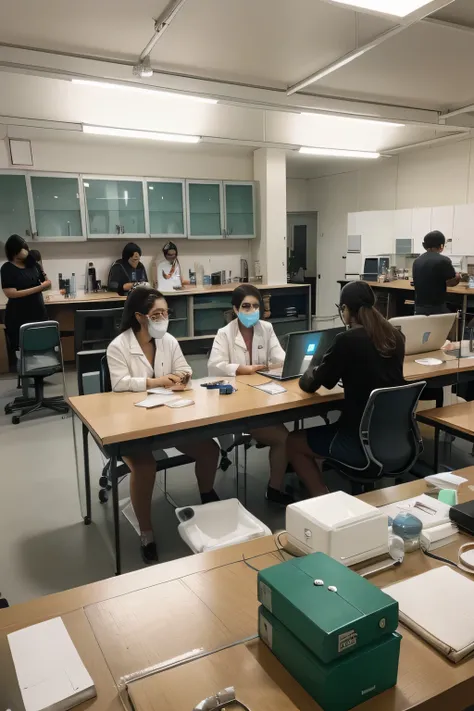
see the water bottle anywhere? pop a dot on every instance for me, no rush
(72, 287)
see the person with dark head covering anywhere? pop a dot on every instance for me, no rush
(23, 287)
(432, 274)
(169, 270)
(367, 356)
(127, 271)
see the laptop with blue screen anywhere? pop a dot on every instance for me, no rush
(301, 349)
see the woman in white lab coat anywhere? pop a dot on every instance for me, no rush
(145, 356)
(244, 346)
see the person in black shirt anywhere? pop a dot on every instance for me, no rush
(369, 355)
(432, 273)
(23, 287)
(127, 271)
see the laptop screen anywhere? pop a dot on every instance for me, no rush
(303, 347)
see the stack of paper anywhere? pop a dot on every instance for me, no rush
(445, 480)
(438, 605)
(49, 670)
(156, 401)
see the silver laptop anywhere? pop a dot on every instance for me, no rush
(424, 333)
(301, 349)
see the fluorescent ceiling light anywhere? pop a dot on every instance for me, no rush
(338, 153)
(399, 8)
(356, 119)
(156, 92)
(148, 135)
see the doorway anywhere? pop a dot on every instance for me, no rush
(302, 230)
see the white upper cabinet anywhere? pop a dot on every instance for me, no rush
(442, 219)
(377, 231)
(420, 226)
(463, 234)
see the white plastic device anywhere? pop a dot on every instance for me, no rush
(343, 527)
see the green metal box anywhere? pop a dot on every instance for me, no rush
(342, 684)
(329, 608)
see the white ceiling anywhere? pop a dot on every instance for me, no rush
(252, 50)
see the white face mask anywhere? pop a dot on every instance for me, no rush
(157, 329)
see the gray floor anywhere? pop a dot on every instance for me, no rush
(44, 545)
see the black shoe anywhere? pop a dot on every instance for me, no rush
(149, 553)
(275, 496)
(209, 496)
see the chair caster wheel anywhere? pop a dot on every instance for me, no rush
(103, 496)
(103, 482)
(87, 520)
(15, 420)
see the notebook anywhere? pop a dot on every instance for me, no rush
(156, 401)
(439, 607)
(50, 672)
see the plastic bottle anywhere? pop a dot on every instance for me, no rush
(72, 287)
(91, 278)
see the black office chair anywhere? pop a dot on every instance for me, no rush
(389, 437)
(163, 461)
(40, 357)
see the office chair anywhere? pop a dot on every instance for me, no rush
(40, 357)
(163, 461)
(389, 437)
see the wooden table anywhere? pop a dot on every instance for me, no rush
(112, 418)
(208, 602)
(456, 420)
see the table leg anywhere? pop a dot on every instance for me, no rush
(464, 316)
(87, 474)
(115, 504)
(436, 450)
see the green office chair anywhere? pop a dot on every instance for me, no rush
(40, 357)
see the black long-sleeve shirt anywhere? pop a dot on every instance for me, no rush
(354, 359)
(122, 273)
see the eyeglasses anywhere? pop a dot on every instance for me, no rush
(340, 311)
(159, 315)
(246, 306)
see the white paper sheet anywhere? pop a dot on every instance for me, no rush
(49, 669)
(271, 388)
(155, 401)
(429, 361)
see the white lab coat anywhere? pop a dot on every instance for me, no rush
(129, 367)
(229, 349)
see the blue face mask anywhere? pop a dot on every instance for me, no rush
(249, 320)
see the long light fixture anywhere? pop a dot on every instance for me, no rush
(356, 119)
(156, 92)
(398, 8)
(147, 135)
(338, 153)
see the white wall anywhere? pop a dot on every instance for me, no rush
(297, 195)
(424, 178)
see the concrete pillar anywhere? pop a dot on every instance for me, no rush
(269, 247)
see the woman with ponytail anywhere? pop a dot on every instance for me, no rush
(367, 356)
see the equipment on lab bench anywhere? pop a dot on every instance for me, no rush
(463, 516)
(347, 529)
(221, 700)
(375, 267)
(333, 630)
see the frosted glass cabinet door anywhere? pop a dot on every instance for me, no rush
(205, 210)
(239, 210)
(114, 207)
(166, 208)
(14, 210)
(57, 207)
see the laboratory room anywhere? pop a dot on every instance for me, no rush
(237, 355)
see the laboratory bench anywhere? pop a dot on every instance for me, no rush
(392, 295)
(178, 632)
(196, 313)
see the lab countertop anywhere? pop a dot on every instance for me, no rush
(55, 298)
